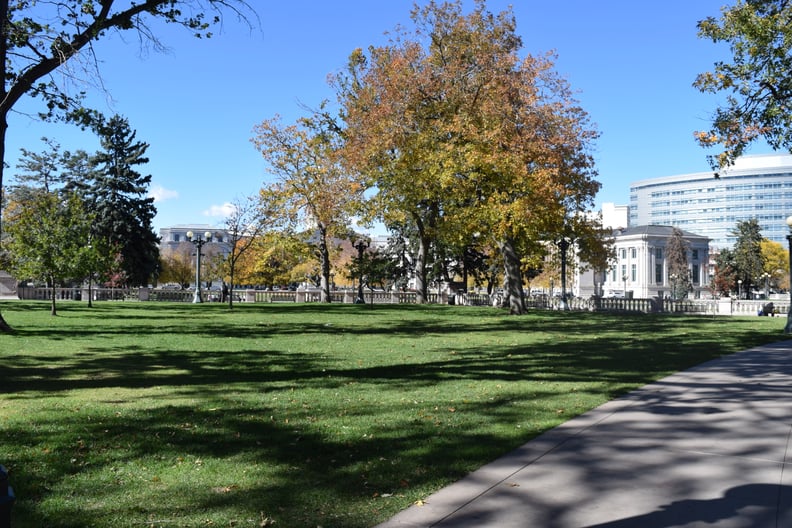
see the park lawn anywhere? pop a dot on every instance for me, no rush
(180, 415)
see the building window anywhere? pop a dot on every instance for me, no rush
(659, 273)
(176, 237)
(658, 253)
(633, 273)
(695, 254)
(624, 253)
(613, 274)
(695, 274)
(633, 253)
(624, 272)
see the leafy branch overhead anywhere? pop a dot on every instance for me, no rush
(757, 83)
(39, 38)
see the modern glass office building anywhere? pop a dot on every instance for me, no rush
(757, 187)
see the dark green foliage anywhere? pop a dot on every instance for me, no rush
(48, 235)
(748, 261)
(117, 196)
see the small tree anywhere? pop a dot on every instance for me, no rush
(677, 259)
(176, 264)
(244, 226)
(725, 277)
(48, 236)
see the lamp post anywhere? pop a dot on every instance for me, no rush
(198, 242)
(788, 327)
(361, 245)
(563, 246)
(739, 288)
(624, 279)
(673, 278)
(766, 277)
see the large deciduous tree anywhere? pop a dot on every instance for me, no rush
(37, 38)
(462, 137)
(312, 190)
(757, 81)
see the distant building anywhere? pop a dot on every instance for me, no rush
(173, 237)
(756, 187)
(615, 216)
(641, 268)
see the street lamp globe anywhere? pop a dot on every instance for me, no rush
(198, 243)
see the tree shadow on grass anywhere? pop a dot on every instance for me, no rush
(309, 467)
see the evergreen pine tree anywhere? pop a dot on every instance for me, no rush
(118, 198)
(748, 260)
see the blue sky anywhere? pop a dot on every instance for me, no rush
(631, 64)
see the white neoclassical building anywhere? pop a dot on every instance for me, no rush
(640, 268)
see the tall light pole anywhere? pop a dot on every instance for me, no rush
(198, 242)
(361, 245)
(563, 245)
(739, 288)
(766, 277)
(788, 327)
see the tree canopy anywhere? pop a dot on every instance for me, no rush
(757, 82)
(118, 197)
(462, 137)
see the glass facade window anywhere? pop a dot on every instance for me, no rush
(756, 186)
(695, 274)
(658, 273)
(633, 273)
(633, 253)
(658, 253)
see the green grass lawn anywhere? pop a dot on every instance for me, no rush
(174, 415)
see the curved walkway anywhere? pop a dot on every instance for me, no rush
(707, 447)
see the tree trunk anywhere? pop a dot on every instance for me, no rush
(324, 260)
(231, 286)
(421, 283)
(513, 275)
(53, 310)
(4, 327)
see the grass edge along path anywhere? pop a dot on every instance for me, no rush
(144, 414)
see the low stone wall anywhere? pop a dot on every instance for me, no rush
(723, 306)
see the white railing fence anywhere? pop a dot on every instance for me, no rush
(723, 306)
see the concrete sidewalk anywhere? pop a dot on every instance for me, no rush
(709, 446)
